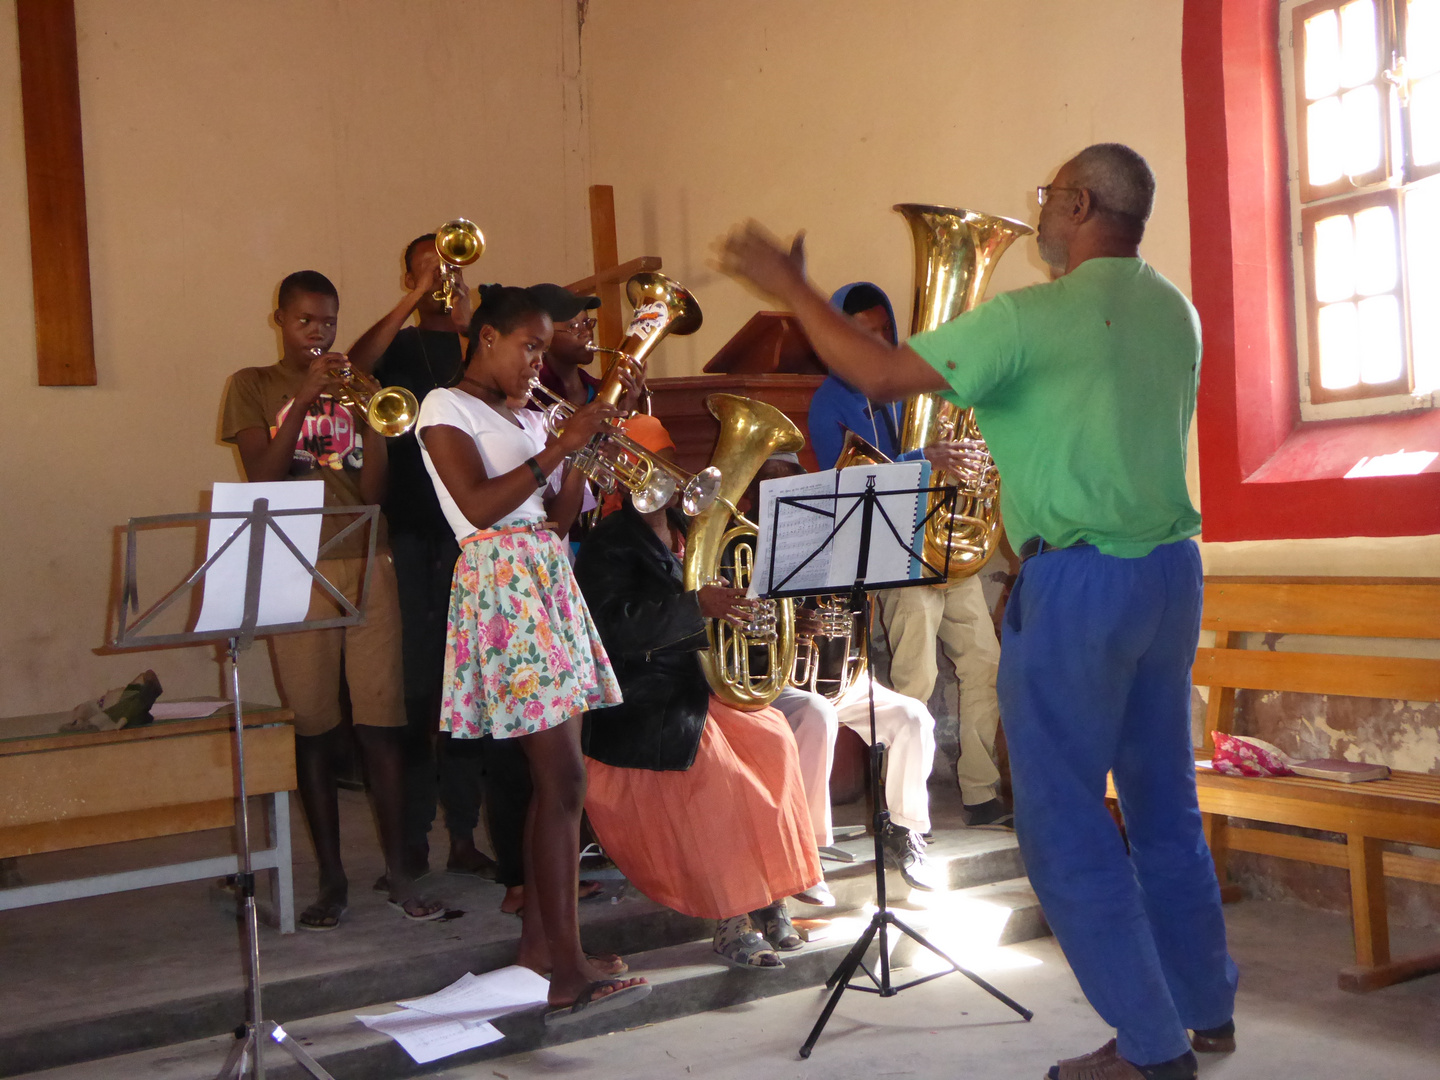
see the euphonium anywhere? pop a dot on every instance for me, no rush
(955, 254)
(614, 458)
(722, 539)
(662, 306)
(390, 410)
(458, 243)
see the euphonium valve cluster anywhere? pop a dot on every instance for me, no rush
(458, 242)
(955, 254)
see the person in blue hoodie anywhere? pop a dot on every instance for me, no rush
(913, 619)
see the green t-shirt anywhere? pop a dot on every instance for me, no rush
(1083, 388)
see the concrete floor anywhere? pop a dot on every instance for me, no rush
(1292, 1022)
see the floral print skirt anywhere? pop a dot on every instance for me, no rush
(521, 651)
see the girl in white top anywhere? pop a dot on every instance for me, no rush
(522, 655)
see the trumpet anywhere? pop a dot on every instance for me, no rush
(652, 481)
(390, 410)
(458, 243)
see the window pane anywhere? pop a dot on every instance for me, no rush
(1339, 363)
(1322, 55)
(1334, 259)
(1422, 37)
(1359, 47)
(1422, 226)
(1361, 109)
(1378, 336)
(1324, 132)
(1376, 260)
(1425, 121)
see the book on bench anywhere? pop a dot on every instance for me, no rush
(1347, 772)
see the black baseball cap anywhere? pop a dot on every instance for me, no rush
(560, 303)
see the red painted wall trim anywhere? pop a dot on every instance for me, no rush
(1263, 474)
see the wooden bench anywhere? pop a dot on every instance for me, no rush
(65, 791)
(1403, 809)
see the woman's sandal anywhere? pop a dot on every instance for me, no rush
(588, 1003)
(322, 915)
(419, 909)
(779, 931)
(738, 943)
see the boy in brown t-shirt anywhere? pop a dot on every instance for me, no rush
(286, 425)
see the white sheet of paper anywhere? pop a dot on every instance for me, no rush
(889, 559)
(428, 1038)
(284, 583)
(801, 533)
(475, 998)
(185, 710)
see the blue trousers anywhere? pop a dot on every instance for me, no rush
(1095, 678)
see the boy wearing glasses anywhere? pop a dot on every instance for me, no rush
(565, 361)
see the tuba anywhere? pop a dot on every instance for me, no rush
(955, 254)
(458, 243)
(830, 661)
(721, 539)
(662, 306)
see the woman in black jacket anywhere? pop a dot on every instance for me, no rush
(699, 804)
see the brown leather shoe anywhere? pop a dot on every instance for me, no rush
(1220, 1040)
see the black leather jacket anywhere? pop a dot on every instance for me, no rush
(653, 630)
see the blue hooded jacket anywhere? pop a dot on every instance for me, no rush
(838, 407)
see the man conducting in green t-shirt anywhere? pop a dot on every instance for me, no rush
(1083, 389)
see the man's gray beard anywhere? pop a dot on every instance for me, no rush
(1055, 253)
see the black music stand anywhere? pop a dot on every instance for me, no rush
(872, 514)
(260, 520)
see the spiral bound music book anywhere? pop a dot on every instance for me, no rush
(805, 527)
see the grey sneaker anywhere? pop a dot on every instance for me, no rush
(905, 851)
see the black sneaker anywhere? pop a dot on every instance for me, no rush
(905, 851)
(992, 812)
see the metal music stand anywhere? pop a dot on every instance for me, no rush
(245, 1055)
(875, 523)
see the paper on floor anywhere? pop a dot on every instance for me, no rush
(458, 1017)
(484, 997)
(428, 1038)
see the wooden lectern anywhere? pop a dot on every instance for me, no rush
(768, 359)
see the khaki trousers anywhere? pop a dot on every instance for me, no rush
(307, 664)
(955, 614)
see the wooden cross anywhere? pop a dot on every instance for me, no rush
(610, 273)
(55, 177)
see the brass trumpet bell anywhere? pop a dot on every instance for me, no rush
(459, 242)
(662, 307)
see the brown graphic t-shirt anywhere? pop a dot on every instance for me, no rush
(329, 448)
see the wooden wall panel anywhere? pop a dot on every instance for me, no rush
(55, 176)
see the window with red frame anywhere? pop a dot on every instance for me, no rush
(1363, 85)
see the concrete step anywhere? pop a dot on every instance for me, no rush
(972, 925)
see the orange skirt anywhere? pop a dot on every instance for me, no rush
(729, 835)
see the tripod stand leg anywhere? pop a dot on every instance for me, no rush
(998, 995)
(298, 1052)
(839, 980)
(238, 1059)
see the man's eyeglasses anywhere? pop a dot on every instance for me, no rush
(577, 326)
(1042, 193)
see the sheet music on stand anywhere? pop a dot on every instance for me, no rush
(811, 529)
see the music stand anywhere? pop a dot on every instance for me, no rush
(872, 514)
(261, 522)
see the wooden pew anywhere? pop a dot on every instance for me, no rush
(1403, 809)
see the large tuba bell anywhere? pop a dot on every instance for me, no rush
(662, 306)
(955, 254)
(458, 243)
(721, 548)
